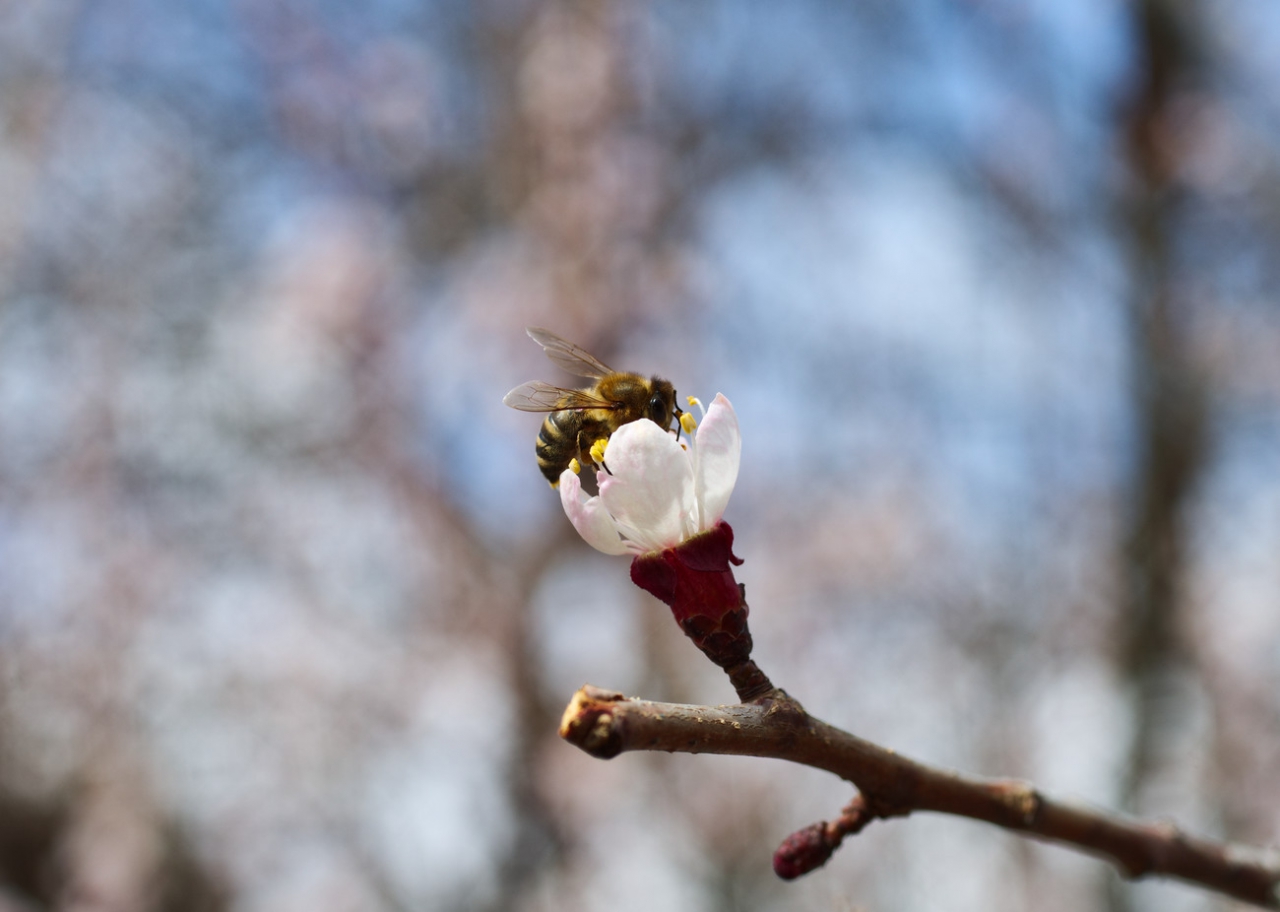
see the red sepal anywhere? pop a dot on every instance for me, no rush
(695, 578)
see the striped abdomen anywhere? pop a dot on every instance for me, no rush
(558, 442)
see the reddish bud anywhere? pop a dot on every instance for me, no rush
(803, 851)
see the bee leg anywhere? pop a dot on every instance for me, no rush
(594, 450)
(597, 453)
(585, 455)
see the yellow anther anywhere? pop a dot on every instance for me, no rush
(597, 450)
(575, 467)
(687, 422)
(694, 400)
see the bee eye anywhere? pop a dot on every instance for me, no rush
(655, 407)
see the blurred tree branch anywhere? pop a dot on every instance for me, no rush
(1170, 396)
(605, 724)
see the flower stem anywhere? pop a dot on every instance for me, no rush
(749, 681)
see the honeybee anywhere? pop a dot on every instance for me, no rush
(581, 417)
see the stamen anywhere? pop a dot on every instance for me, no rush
(688, 422)
(597, 450)
(575, 466)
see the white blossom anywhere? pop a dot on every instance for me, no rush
(657, 493)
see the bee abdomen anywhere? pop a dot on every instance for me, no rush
(557, 443)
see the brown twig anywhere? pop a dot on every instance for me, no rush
(604, 724)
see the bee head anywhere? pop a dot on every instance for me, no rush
(661, 408)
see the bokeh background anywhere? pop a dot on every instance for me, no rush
(287, 614)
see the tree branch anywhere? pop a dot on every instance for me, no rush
(604, 724)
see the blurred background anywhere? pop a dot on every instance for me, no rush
(288, 615)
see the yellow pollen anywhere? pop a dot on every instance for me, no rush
(688, 422)
(598, 448)
(694, 400)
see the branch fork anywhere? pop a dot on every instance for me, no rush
(606, 723)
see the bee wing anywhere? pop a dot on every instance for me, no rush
(567, 355)
(536, 396)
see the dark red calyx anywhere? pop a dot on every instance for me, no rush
(695, 578)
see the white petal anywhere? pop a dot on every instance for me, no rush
(589, 516)
(649, 485)
(718, 446)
